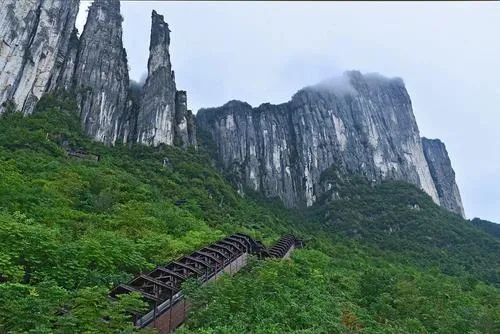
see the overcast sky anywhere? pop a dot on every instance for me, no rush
(447, 53)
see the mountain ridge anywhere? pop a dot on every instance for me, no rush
(361, 123)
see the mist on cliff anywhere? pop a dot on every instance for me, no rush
(266, 51)
(339, 85)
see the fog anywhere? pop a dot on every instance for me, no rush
(446, 53)
(340, 84)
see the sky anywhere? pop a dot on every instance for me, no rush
(446, 52)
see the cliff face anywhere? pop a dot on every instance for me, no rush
(163, 115)
(185, 128)
(35, 36)
(40, 52)
(443, 175)
(101, 74)
(359, 123)
(66, 66)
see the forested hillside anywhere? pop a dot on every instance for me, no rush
(487, 226)
(380, 258)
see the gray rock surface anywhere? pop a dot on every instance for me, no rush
(185, 134)
(34, 39)
(40, 52)
(66, 66)
(443, 175)
(156, 120)
(163, 117)
(359, 123)
(101, 74)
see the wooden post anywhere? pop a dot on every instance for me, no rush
(184, 315)
(170, 315)
(154, 314)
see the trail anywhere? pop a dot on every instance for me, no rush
(162, 287)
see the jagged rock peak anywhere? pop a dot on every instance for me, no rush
(101, 75)
(163, 117)
(35, 36)
(159, 45)
(155, 124)
(361, 124)
(160, 42)
(443, 175)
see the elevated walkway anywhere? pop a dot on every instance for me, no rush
(161, 288)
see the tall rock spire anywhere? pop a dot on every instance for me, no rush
(40, 51)
(34, 41)
(156, 118)
(101, 75)
(163, 117)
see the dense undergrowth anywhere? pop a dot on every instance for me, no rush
(381, 259)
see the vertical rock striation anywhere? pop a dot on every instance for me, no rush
(155, 123)
(163, 117)
(34, 39)
(66, 70)
(185, 134)
(101, 74)
(359, 123)
(443, 175)
(40, 52)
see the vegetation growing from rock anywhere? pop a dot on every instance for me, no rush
(379, 259)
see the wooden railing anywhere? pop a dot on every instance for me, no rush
(161, 288)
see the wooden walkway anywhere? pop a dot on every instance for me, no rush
(161, 288)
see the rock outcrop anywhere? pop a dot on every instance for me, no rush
(163, 117)
(185, 129)
(101, 75)
(360, 124)
(40, 52)
(34, 41)
(443, 175)
(155, 123)
(67, 66)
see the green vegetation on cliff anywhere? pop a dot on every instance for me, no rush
(380, 259)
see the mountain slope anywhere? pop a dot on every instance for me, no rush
(487, 226)
(402, 221)
(71, 228)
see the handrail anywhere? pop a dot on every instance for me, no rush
(233, 250)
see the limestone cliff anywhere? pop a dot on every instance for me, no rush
(155, 124)
(34, 41)
(66, 70)
(163, 117)
(443, 175)
(101, 75)
(185, 129)
(359, 123)
(40, 52)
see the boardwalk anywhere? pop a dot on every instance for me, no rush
(161, 288)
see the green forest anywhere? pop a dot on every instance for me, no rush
(381, 258)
